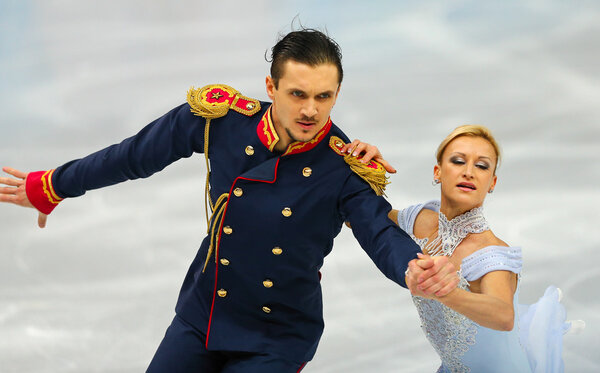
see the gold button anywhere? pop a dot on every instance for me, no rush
(227, 229)
(338, 144)
(306, 172)
(277, 250)
(249, 150)
(266, 310)
(268, 283)
(222, 293)
(225, 262)
(250, 106)
(287, 212)
(238, 192)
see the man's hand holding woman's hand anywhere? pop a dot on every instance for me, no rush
(431, 276)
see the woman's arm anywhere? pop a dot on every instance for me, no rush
(393, 215)
(493, 307)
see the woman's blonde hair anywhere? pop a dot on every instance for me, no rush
(472, 130)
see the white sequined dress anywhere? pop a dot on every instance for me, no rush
(535, 343)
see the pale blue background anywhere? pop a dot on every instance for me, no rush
(95, 290)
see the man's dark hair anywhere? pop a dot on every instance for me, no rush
(307, 46)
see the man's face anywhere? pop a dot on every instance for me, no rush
(303, 101)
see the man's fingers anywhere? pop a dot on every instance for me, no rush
(42, 220)
(7, 190)
(15, 173)
(412, 274)
(11, 182)
(9, 198)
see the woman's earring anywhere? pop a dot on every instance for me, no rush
(435, 182)
(491, 191)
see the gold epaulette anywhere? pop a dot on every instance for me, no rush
(215, 100)
(372, 172)
(210, 102)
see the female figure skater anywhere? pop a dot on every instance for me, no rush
(478, 327)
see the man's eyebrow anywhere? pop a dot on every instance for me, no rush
(329, 92)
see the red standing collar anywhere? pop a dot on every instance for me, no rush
(268, 136)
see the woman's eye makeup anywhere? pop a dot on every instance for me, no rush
(482, 165)
(460, 161)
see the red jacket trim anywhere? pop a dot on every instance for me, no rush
(40, 191)
(212, 307)
(268, 136)
(266, 131)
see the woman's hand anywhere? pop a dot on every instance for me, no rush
(368, 152)
(431, 276)
(14, 192)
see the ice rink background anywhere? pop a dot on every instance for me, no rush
(95, 290)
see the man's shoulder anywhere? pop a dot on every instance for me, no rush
(216, 100)
(371, 172)
(337, 131)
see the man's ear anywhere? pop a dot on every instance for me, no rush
(270, 85)
(336, 94)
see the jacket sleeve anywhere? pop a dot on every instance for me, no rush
(387, 245)
(177, 134)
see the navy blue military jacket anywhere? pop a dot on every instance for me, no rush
(260, 291)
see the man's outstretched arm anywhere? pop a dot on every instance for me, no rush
(175, 135)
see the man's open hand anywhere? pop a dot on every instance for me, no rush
(13, 191)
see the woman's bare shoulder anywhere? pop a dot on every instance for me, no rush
(425, 223)
(478, 241)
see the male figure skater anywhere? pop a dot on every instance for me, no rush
(280, 190)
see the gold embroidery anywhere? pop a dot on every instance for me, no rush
(372, 172)
(269, 130)
(48, 189)
(216, 220)
(298, 144)
(201, 106)
(251, 108)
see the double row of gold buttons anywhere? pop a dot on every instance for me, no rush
(287, 212)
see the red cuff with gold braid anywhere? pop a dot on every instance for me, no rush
(40, 191)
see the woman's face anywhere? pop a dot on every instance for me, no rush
(466, 172)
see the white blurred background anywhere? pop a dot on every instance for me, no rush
(96, 289)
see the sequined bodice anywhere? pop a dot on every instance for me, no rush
(449, 332)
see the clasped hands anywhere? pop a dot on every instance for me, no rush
(431, 277)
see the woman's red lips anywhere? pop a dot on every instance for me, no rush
(470, 186)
